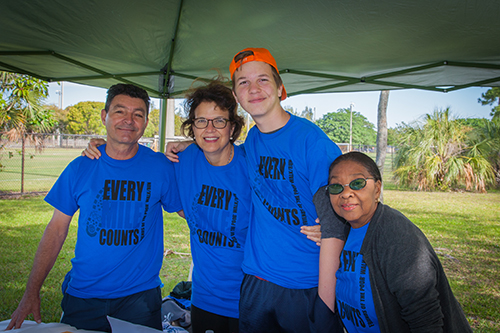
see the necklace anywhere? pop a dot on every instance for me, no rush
(230, 154)
(229, 158)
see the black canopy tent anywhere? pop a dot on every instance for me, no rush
(320, 45)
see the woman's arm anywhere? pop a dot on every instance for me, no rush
(175, 147)
(329, 261)
(91, 151)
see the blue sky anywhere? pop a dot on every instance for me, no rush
(404, 105)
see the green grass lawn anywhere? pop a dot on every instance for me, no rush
(41, 169)
(464, 228)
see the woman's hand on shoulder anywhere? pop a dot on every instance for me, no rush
(91, 151)
(175, 147)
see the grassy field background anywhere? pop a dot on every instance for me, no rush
(464, 229)
(41, 169)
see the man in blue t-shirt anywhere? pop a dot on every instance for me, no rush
(119, 251)
(288, 159)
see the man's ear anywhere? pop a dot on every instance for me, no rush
(103, 116)
(236, 97)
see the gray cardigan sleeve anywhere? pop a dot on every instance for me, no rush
(331, 224)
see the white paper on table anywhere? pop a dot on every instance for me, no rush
(119, 326)
(30, 326)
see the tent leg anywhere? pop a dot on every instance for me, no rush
(167, 122)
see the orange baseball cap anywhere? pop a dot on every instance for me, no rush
(259, 54)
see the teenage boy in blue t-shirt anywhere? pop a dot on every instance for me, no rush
(119, 251)
(288, 159)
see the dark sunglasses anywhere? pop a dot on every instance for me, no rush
(356, 184)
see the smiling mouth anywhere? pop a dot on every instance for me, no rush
(126, 129)
(257, 100)
(210, 139)
(348, 206)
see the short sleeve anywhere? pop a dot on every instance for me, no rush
(321, 153)
(170, 193)
(61, 196)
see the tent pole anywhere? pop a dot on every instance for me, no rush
(163, 124)
(167, 122)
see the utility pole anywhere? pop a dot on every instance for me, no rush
(350, 128)
(61, 95)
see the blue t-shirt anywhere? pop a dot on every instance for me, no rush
(216, 202)
(119, 248)
(286, 168)
(353, 290)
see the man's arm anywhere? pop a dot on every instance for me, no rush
(50, 245)
(181, 214)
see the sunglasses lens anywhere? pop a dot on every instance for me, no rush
(357, 184)
(335, 188)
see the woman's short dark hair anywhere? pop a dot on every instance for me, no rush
(219, 93)
(360, 158)
(128, 90)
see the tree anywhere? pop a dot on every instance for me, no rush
(382, 133)
(249, 123)
(472, 123)
(489, 98)
(153, 124)
(291, 110)
(436, 155)
(179, 119)
(308, 113)
(336, 126)
(60, 116)
(485, 141)
(21, 110)
(85, 118)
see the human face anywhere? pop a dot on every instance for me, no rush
(256, 90)
(125, 120)
(355, 206)
(213, 141)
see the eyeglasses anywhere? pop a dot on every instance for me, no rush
(356, 184)
(218, 123)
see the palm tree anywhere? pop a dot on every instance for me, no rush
(22, 111)
(485, 141)
(436, 155)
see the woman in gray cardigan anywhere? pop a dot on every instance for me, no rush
(390, 279)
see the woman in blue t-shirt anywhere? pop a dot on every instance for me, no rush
(215, 193)
(390, 279)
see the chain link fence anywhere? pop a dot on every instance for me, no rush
(32, 164)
